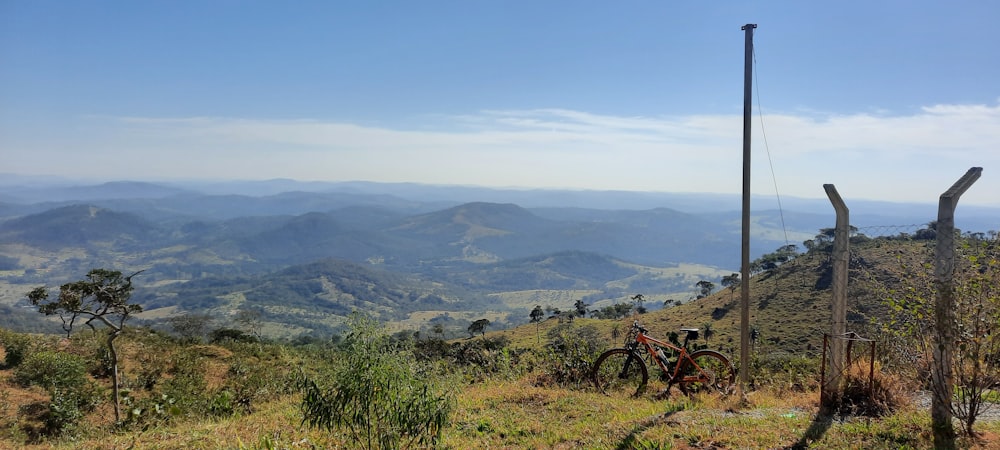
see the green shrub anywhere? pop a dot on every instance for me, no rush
(483, 358)
(64, 376)
(247, 385)
(51, 370)
(16, 345)
(567, 358)
(146, 412)
(187, 386)
(378, 397)
(64, 412)
(222, 403)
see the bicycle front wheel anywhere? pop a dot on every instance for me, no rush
(706, 370)
(620, 372)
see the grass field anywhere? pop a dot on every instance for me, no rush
(514, 408)
(517, 415)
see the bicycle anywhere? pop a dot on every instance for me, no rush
(618, 370)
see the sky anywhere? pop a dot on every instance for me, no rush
(886, 100)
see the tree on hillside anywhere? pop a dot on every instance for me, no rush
(770, 262)
(102, 297)
(638, 299)
(537, 314)
(731, 282)
(824, 239)
(581, 308)
(190, 327)
(251, 320)
(616, 311)
(479, 326)
(704, 288)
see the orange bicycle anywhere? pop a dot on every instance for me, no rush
(623, 370)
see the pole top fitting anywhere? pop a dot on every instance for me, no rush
(749, 25)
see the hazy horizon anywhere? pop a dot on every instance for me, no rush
(552, 95)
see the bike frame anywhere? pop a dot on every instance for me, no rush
(651, 344)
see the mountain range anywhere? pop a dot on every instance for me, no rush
(303, 255)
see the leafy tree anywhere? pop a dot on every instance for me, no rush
(479, 326)
(926, 234)
(229, 334)
(824, 240)
(771, 261)
(537, 314)
(103, 297)
(190, 327)
(616, 311)
(638, 299)
(581, 308)
(704, 288)
(731, 282)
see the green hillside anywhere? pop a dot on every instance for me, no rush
(790, 306)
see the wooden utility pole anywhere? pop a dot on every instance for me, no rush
(745, 260)
(944, 311)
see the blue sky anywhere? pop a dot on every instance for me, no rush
(889, 100)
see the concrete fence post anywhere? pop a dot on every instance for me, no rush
(838, 321)
(944, 311)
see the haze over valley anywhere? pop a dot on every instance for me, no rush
(304, 255)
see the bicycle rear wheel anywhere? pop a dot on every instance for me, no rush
(620, 372)
(706, 370)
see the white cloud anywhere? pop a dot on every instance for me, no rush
(880, 156)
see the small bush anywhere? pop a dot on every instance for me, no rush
(378, 398)
(15, 345)
(146, 412)
(246, 386)
(51, 370)
(567, 358)
(186, 385)
(868, 395)
(64, 412)
(64, 376)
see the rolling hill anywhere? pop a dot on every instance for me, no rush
(304, 259)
